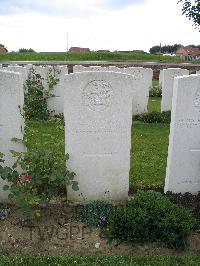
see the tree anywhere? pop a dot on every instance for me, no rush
(24, 50)
(169, 49)
(191, 9)
(154, 49)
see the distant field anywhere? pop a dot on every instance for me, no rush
(92, 56)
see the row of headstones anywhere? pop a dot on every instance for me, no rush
(55, 103)
(98, 118)
(142, 77)
(166, 80)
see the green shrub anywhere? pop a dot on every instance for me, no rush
(151, 217)
(187, 200)
(43, 177)
(35, 102)
(35, 95)
(154, 117)
(95, 213)
(155, 91)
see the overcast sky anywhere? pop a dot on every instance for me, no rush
(98, 24)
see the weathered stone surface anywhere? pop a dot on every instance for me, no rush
(43, 72)
(183, 164)
(11, 120)
(160, 78)
(168, 76)
(18, 69)
(80, 68)
(56, 103)
(98, 122)
(142, 83)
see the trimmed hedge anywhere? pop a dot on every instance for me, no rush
(151, 217)
(153, 117)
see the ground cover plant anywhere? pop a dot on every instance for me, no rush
(150, 217)
(91, 56)
(95, 213)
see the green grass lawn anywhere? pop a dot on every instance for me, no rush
(155, 82)
(149, 154)
(102, 260)
(191, 260)
(154, 104)
(149, 148)
(91, 56)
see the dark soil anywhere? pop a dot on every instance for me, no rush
(58, 232)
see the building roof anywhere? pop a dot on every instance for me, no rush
(3, 50)
(191, 51)
(79, 49)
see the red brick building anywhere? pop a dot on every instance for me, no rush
(189, 53)
(79, 50)
(3, 50)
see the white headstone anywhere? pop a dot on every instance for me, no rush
(28, 67)
(167, 86)
(43, 72)
(56, 103)
(160, 78)
(80, 68)
(142, 83)
(98, 122)
(183, 164)
(11, 120)
(18, 69)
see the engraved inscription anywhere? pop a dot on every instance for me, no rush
(97, 95)
(188, 181)
(137, 75)
(188, 123)
(197, 99)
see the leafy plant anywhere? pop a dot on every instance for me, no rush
(42, 179)
(52, 79)
(154, 117)
(191, 9)
(187, 200)
(35, 97)
(155, 91)
(35, 104)
(151, 217)
(95, 213)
